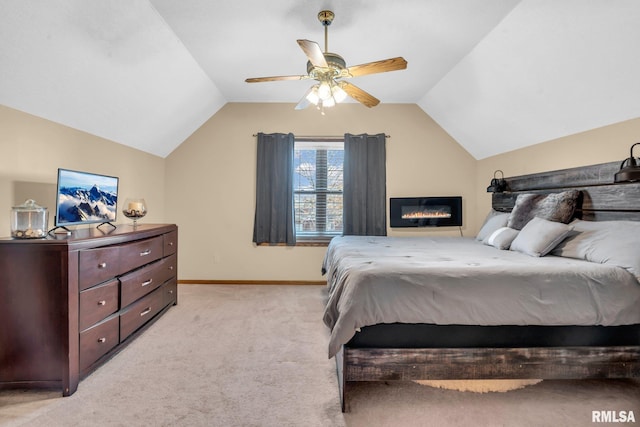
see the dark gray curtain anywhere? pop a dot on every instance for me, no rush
(274, 220)
(365, 185)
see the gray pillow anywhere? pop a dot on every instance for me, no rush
(492, 222)
(604, 242)
(540, 236)
(501, 238)
(554, 207)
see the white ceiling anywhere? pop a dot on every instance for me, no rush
(497, 75)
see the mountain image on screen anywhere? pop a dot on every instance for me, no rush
(78, 204)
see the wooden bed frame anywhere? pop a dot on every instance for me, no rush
(601, 200)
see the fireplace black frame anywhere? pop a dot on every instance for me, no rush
(453, 203)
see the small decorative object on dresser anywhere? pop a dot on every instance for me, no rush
(68, 304)
(29, 221)
(134, 209)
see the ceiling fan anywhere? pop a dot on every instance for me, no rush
(330, 70)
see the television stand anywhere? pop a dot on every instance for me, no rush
(60, 229)
(106, 222)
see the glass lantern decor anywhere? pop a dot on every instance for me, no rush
(134, 209)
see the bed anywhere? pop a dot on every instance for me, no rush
(563, 303)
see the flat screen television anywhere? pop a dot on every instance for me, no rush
(85, 198)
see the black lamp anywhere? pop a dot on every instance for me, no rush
(630, 172)
(498, 185)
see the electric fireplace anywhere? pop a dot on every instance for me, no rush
(425, 211)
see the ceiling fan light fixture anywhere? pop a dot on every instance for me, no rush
(329, 102)
(338, 93)
(324, 91)
(312, 96)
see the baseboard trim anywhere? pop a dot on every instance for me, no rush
(252, 282)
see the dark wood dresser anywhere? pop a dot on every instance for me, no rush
(68, 303)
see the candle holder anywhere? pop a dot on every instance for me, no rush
(134, 209)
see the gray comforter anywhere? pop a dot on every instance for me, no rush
(448, 280)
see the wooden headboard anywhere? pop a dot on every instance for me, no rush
(601, 199)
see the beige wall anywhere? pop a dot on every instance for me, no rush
(32, 149)
(208, 182)
(211, 183)
(602, 145)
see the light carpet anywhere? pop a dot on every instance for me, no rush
(256, 356)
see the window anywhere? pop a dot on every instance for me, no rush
(300, 191)
(317, 188)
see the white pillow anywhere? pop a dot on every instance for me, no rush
(492, 222)
(604, 242)
(502, 238)
(539, 236)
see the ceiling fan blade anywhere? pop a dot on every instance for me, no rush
(275, 78)
(359, 95)
(314, 53)
(391, 64)
(304, 102)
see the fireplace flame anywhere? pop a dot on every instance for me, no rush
(426, 214)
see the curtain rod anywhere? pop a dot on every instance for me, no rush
(320, 137)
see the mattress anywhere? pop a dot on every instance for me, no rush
(460, 281)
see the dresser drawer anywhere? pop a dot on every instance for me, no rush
(139, 313)
(170, 267)
(98, 340)
(170, 243)
(170, 292)
(98, 265)
(97, 303)
(140, 282)
(136, 254)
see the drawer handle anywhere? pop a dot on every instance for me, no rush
(102, 265)
(170, 243)
(102, 302)
(145, 253)
(146, 311)
(171, 268)
(102, 340)
(148, 282)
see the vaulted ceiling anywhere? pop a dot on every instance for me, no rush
(497, 75)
